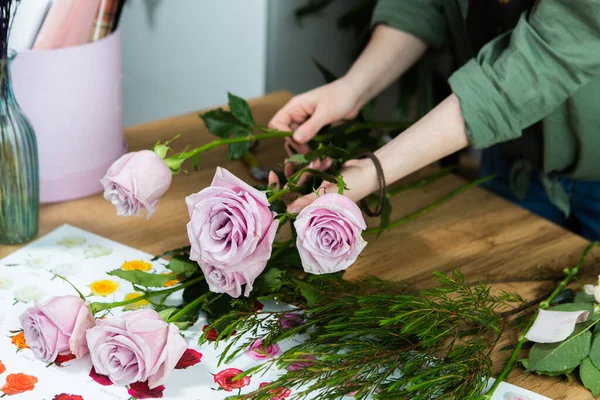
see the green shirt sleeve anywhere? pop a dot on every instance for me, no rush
(421, 18)
(520, 77)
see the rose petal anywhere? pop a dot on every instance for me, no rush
(589, 289)
(554, 326)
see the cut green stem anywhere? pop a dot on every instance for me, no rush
(432, 206)
(188, 308)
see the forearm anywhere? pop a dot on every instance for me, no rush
(439, 133)
(388, 55)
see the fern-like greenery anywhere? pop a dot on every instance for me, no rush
(389, 343)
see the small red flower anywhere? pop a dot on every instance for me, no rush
(189, 358)
(101, 379)
(140, 390)
(225, 379)
(258, 306)
(213, 334)
(278, 394)
(64, 396)
(63, 358)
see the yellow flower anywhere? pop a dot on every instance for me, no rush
(104, 287)
(138, 265)
(170, 283)
(137, 304)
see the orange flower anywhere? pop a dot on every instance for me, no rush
(2, 367)
(19, 340)
(104, 287)
(137, 304)
(170, 283)
(137, 265)
(18, 383)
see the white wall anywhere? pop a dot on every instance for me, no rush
(184, 55)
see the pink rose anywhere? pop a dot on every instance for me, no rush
(136, 347)
(58, 325)
(329, 234)
(231, 231)
(135, 182)
(257, 351)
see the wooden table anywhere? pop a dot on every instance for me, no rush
(484, 235)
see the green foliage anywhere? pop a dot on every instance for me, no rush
(565, 355)
(321, 151)
(589, 307)
(182, 265)
(185, 250)
(359, 334)
(590, 376)
(141, 278)
(583, 297)
(237, 123)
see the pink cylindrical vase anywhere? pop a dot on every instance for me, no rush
(72, 96)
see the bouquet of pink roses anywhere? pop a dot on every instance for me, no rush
(238, 253)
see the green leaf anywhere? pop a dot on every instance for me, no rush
(240, 110)
(191, 293)
(562, 356)
(574, 307)
(236, 151)
(166, 313)
(269, 281)
(590, 376)
(595, 350)
(182, 265)
(583, 297)
(311, 294)
(327, 75)
(142, 278)
(180, 251)
(219, 307)
(386, 212)
(219, 122)
(195, 160)
(330, 151)
(183, 325)
(297, 159)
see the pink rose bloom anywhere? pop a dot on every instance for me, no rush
(257, 351)
(329, 234)
(136, 347)
(135, 182)
(58, 325)
(231, 231)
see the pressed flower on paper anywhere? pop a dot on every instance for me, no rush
(65, 269)
(138, 304)
(64, 396)
(97, 250)
(19, 341)
(5, 283)
(2, 367)
(71, 241)
(136, 265)
(18, 383)
(28, 294)
(103, 287)
(514, 396)
(37, 262)
(170, 283)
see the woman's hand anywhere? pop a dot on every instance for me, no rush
(307, 113)
(360, 177)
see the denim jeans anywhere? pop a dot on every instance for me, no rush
(584, 196)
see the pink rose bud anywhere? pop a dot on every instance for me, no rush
(329, 234)
(58, 325)
(135, 182)
(136, 347)
(231, 231)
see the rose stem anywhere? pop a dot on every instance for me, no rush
(97, 307)
(570, 274)
(433, 206)
(187, 308)
(379, 125)
(279, 195)
(220, 142)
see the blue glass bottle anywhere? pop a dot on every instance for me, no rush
(19, 176)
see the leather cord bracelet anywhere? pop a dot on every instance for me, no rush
(381, 190)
